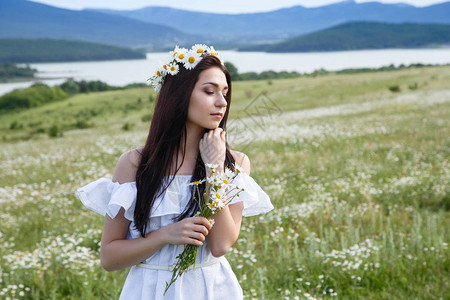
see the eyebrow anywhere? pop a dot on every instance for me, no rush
(215, 84)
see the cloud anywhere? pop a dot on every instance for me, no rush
(231, 6)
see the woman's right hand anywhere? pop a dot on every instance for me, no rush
(188, 231)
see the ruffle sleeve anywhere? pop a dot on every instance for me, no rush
(256, 201)
(106, 197)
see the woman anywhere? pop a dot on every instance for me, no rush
(148, 206)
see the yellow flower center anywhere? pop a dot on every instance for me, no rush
(210, 205)
(199, 50)
(175, 54)
(191, 59)
(225, 181)
(172, 68)
(218, 196)
(195, 182)
(158, 73)
(165, 67)
(181, 56)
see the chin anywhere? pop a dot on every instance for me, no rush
(212, 126)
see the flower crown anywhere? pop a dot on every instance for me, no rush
(189, 59)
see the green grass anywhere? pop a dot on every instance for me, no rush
(359, 177)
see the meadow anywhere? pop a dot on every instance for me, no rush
(356, 165)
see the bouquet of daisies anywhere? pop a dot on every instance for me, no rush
(217, 195)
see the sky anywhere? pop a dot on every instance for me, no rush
(219, 6)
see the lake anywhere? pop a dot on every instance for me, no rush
(123, 72)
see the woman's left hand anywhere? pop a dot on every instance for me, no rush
(212, 147)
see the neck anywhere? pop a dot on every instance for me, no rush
(193, 136)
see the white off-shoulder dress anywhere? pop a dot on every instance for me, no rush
(212, 277)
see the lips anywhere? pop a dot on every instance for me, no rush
(217, 115)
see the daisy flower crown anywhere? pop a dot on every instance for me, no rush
(181, 56)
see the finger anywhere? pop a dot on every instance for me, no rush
(194, 242)
(206, 223)
(201, 229)
(197, 235)
(218, 131)
(202, 221)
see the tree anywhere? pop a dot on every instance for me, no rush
(233, 71)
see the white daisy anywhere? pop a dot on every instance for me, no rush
(211, 49)
(217, 198)
(199, 48)
(157, 88)
(213, 179)
(228, 175)
(217, 54)
(197, 182)
(220, 193)
(212, 166)
(191, 60)
(173, 54)
(211, 207)
(218, 203)
(157, 82)
(180, 54)
(238, 168)
(173, 68)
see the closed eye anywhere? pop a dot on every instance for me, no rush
(212, 93)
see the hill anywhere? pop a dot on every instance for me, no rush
(48, 50)
(288, 22)
(157, 28)
(25, 19)
(11, 72)
(363, 35)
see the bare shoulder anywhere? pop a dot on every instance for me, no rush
(127, 165)
(242, 160)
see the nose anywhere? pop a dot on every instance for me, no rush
(221, 101)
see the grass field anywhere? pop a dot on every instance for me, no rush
(357, 167)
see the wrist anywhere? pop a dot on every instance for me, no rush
(160, 235)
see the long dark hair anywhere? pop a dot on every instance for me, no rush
(168, 128)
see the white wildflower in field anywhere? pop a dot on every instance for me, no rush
(65, 250)
(352, 258)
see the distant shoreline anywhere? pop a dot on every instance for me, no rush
(314, 73)
(124, 72)
(26, 51)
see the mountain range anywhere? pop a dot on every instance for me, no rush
(363, 35)
(158, 28)
(26, 19)
(287, 22)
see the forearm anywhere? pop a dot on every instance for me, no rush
(119, 254)
(225, 230)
